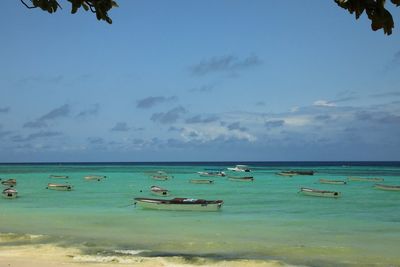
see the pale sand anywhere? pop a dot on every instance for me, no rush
(50, 256)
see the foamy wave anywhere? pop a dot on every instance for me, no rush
(130, 251)
(106, 259)
(11, 237)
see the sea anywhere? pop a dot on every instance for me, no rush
(264, 220)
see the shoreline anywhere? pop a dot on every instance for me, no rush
(47, 255)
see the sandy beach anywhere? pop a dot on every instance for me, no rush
(50, 255)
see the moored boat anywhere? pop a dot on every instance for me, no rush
(212, 173)
(59, 176)
(160, 177)
(241, 179)
(10, 193)
(240, 168)
(201, 181)
(296, 172)
(59, 187)
(179, 204)
(94, 177)
(363, 179)
(9, 182)
(159, 190)
(327, 181)
(319, 193)
(285, 174)
(387, 187)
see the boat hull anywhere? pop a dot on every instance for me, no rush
(361, 179)
(155, 190)
(59, 187)
(241, 179)
(58, 177)
(319, 193)
(157, 204)
(201, 181)
(335, 182)
(9, 193)
(387, 187)
(94, 178)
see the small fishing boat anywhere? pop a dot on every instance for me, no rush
(362, 179)
(201, 181)
(285, 174)
(387, 187)
(178, 204)
(160, 177)
(296, 172)
(94, 177)
(159, 190)
(10, 193)
(9, 182)
(59, 187)
(319, 193)
(215, 173)
(241, 179)
(59, 176)
(240, 168)
(326, 181)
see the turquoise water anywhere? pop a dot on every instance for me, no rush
(266, 219)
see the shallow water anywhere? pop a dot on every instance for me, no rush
(263, 220)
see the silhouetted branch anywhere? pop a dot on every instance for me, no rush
(22, 1)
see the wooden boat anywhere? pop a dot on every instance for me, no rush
(285, 174)
(59, 187)
(160, 177)
(326, 181)
(240, 168)
(212, 174)
(296, 172)
(387, 187)
(94, 177)
(178, 204)
(10, 193)
(59, 176)
(159, 190)
(319, 193)
(241, 179)
(9, 182)
(201, 181)
(362, 179)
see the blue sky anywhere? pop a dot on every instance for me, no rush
(198, 81)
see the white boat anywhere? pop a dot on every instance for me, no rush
(241, 179)
(319, 193)
(212, 174)
(160, 176)
(10, 193)
(94, 177)
(326, 181)
(240, 168)
(9, 182)
(387, 187)
(159, 191)
(201, 181)
(362, 179)
(59, 176)
(59, 187)
(180, 204)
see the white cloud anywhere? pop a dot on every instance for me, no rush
(324, 103)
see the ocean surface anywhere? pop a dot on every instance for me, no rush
(266, 219)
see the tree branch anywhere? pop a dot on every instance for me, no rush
(30, 7)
